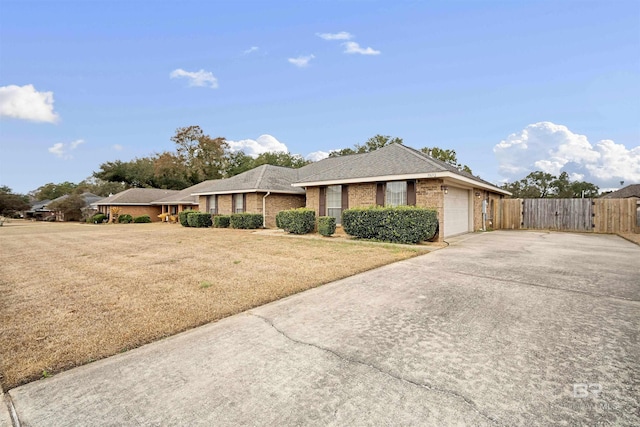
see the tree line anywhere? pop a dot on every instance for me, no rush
(540, 184)
(198, 157)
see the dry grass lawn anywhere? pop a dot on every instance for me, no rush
(74, 293)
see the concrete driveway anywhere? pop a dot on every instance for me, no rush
(501, 328)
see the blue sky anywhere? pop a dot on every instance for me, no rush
(511, 86)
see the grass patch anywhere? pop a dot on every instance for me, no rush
(63, 309)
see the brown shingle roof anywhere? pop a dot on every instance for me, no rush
(263, 178)
(185, 197)
(632, 190)
(136, 196)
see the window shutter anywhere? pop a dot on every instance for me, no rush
(244, 202)
(380, 194)
(322, 208)
(345, 197)
(411, 193)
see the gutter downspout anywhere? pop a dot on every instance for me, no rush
(264, 209)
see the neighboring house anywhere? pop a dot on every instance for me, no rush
(632, 190)
(135, 202)
(398, 175)
(265, 190)
(88, 198)
(183, 199)
(39, 210)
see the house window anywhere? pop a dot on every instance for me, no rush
(213, 204)
(238, 203)
(396, 193)
(334, 202)
(174, 209)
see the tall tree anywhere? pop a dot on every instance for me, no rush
(52, 191)
(11, 203)
(203, 155)
(540, 184)
(371, 144)
(447, 156)
(280, 158)
(70, 207)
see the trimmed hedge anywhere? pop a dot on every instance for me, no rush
(182, 218)
(246, 220)
(221, 221)
(125, 219)
(326, 225)
(97, 218)
(296, 221)
(403, 224)
(199, 219)
(142, 219)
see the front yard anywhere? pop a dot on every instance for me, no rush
(73, 293)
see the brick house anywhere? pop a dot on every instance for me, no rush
(263, 190)
(399, 175)
(135, 202)
(183, 199)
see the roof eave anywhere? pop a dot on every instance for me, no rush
(254, 190)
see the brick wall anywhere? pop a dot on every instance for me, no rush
(224, 204)
(313, 199)
(281, 202)
(134, 211)
(429, 195)
(362, 195)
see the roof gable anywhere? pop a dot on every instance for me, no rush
(263, 178)
(395, 160)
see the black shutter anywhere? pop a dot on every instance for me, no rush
(411, 193)
(380, 194)
(322, 208)
(345, 197)
(244, 202)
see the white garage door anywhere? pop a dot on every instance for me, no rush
(456, 211)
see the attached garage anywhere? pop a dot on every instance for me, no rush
(456, 211)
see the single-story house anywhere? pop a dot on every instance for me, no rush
(88, 199)
(632, 190)
(399, 175)
(135, 202)
(183, 199)
(264, 190)
(39, 210)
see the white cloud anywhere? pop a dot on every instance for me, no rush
(117, 147)
(255, 147)
(353, 47)
(301, 61)
(317, 155)
(342, 35)
(200, 78)
(554, 149)
(251, 50)
(25, 102)
(60, 149)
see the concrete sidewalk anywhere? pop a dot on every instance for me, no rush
(502, 328)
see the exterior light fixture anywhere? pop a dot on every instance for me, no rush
(478, 194)
(444, 188)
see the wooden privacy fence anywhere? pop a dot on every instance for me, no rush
(586, 215)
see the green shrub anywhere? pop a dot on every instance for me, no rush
(296, 221)
(246, 221)
(403, 224)
(199, 219)
(326, 225)
(221, 221)
(125, 219)
(182, 218)
(142, 219)
(97, 218)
